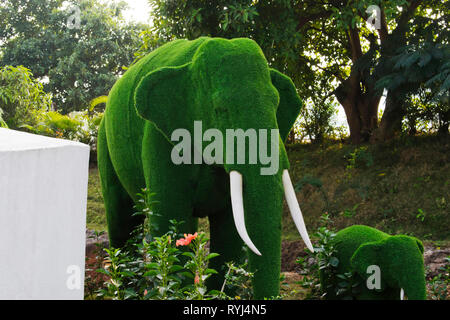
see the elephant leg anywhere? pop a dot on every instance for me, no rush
(172, 206)
(226, 242)
(118, 203)
(170, 183)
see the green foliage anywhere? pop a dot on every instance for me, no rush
(342, 285)
(421, 73)
(239, 281)
(79, 126)
(2, 122)
(217, 19)
(21, 96)
(326, 47)
(145, 207)
(421, 215)
(439, 285)
(350, 213)
(80, 63)
(316, 121)
(96, 101)
(152, 267)
(360, 157)
(92, 281)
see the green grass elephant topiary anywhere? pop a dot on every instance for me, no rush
(397, 261)
(180, 90)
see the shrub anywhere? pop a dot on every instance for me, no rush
(171, 266)
(21, 96)
(316, 122)
(77, 126)
(2, 122)
(439, 285)
(342, 285)
(359, 158)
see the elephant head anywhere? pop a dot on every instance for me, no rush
(400, 262)
(228, 85)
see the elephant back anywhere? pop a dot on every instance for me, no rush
(348, 240)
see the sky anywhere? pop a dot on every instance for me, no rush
(138, 11)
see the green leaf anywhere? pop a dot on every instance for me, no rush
(212, 255)
(189, 254)
(96, 101)
(210, 271)
(176, 268)
(151, 273)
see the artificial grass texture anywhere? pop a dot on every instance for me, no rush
(226, 84)
(399, 257)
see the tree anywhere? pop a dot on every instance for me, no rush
(419, 75)
(326, 47)
(316, 121)
(20, 96)
(81, 62)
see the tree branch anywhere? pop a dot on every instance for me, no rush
(355, 44)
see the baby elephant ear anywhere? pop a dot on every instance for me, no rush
(365, 256)
(160, 96)
(419, 244)
(290, 103)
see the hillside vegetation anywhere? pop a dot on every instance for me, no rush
(398, 187)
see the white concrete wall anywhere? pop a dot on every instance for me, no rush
(43, 195)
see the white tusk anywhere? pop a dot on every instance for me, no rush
(402, 294)
(237, 205)
(294, 208)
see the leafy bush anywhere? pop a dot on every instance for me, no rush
(343, 285)
(172, 266)
(359, 158)
(316, 122)
(439, 285)
(21, 96)
(78, 126)
(2, 122)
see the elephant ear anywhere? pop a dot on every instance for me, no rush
(159, 96)
(290, 103)
(419, 244)
(365, 256)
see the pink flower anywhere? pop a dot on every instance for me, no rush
(186, 240)
(196, 279)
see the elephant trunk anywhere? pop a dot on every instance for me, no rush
(257, 209)
(413, 284)
(260, 225)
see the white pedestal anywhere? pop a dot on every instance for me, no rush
(43, 195)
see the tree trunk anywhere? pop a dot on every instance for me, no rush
(357, 95)
(391, 122)
(291, 137)
(361, 110)
(444, 123)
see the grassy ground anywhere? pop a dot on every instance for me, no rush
(399, 187)
(96, 219)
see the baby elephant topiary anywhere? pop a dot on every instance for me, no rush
(382, 264)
